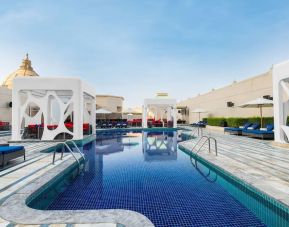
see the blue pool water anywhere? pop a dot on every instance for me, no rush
(147, 173)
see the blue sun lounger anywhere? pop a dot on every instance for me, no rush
(8, 153)
(237, 131)
(266, 133)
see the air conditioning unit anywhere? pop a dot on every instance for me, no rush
(268, 97)
(230, 104)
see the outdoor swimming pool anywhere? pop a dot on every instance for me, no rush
(147, 173)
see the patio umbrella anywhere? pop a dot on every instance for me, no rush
(199, 111)
(258, 103)
(103, 111)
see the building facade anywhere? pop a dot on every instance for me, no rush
(224, 102)
(5, 104)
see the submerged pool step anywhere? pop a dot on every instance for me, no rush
(12, 182)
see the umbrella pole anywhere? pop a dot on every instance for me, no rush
(199, 116)
(261, 114)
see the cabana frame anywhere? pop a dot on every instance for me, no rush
(160, 107)
(71, 96)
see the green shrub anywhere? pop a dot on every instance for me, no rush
(217, 121)
(238, 121)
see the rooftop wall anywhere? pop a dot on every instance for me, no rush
(215, 102)
(5, 110)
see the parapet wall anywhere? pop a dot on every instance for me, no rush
(215, 102)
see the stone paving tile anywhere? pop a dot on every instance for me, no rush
(95, 225)
(57, 225)
(3, 222)
(27, 225)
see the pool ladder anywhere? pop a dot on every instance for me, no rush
(65, 144)
(203, 141)
(197, 131)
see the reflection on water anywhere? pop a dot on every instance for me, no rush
(161, 182)
(159, 146)
(204, 171)
(108, 144)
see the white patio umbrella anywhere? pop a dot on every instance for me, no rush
(199, 111)
(103, 111)
(258, 103)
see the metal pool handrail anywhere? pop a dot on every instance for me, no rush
(197, 130)
(207, 139)
(69, 149)
(74, 144)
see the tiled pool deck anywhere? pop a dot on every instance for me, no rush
(257, 162)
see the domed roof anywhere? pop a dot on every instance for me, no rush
(25, 69)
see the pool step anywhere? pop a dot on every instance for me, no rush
(13, 181)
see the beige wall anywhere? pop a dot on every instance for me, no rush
(215, 102)
(111, 103)
(5, 110)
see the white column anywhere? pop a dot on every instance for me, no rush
(92, 115)
(278, 111)
(175, 116)
(78, 113)
(16, 121)
(144, 117)
(168, 113)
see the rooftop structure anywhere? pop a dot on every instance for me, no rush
(65, 106)
(160, 106)
(280, 74)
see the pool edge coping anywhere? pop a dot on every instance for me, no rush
(259, 191)
(15, 209)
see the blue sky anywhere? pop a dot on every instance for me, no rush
(137, 48)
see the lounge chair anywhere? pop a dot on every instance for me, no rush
(201, 124)
(263, 133)
(237, 131)
(8, 153)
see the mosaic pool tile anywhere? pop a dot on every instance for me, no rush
(170, 192)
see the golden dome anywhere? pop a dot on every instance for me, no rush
(25, 69)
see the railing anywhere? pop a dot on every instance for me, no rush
(74, 144)
(70, 151)
(207, 140)
(197, 131)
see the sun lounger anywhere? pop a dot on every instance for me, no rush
(8, 153)
(201, 124)
(263, 133)
(237, 131)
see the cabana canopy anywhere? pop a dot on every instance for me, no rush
(160, 106)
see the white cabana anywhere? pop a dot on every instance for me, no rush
(280, 75)
(161, 107)
(63, 106)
